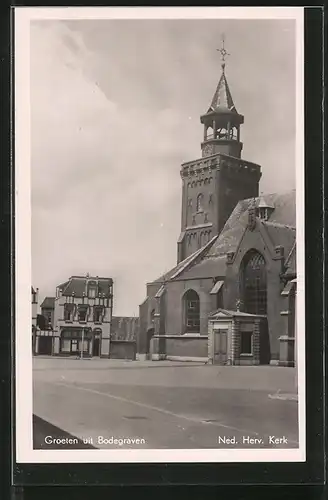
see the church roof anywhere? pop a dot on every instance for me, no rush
(173, 273)
(210, 261)
(280, 225)
(222, 100)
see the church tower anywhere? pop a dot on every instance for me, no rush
(213, 184)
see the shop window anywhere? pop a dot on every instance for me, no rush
(74, 345)
(65, 345)
(85, 345)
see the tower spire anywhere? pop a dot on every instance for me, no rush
(222, 97)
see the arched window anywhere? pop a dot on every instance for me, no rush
(199, 204)
(253, 283)
(192, 312)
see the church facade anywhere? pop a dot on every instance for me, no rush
(231, 297)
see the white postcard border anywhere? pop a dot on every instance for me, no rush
(23, 320)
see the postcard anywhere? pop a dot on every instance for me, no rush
(159, 232)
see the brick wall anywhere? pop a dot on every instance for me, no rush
(122, 349)
(182, 346)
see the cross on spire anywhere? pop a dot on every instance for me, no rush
(224, 53)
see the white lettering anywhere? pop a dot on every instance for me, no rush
(227, 440)
(52, 440)
(119, 441)
(250, 440)
(278, 440)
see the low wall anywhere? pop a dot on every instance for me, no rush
(180, 346)
(123, 349)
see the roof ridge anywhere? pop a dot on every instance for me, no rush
(194, 256)
(270, 194)
(278, 224)
(289, 256)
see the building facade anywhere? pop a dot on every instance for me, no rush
(79, 322)
(82, 316)
(236, 260)
(48, 311)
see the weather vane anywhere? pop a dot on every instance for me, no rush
(224, 53)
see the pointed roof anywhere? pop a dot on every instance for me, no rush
(223, 313)
(49, 302)
(222, 99)
(263, 203)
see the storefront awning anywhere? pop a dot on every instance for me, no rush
(216, 288)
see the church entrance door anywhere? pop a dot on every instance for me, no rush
(220, 347)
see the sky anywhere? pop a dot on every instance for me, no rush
(115, 107)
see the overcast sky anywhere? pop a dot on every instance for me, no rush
(115, 109)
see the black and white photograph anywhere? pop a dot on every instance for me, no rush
(159, 235)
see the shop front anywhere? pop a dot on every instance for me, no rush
(76, 342)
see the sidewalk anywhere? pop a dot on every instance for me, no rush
(271, 379)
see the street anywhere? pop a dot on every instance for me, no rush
(131, 404)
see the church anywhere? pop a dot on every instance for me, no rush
(231, 298)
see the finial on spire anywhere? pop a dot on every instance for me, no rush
(224, 53)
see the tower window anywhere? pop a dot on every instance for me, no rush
(222, 133)
(199, 204)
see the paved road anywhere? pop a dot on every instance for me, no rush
(165, 405)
